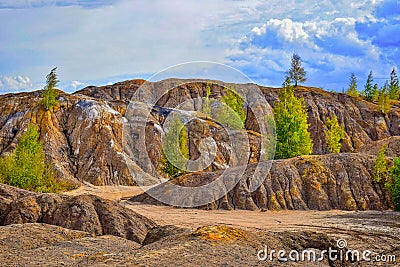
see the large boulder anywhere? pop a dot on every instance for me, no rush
(87, 213)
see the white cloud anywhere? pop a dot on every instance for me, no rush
(135, 36)
(18, 83)
(76, 84)
(331, 49)
(286, 28)
(19, 4)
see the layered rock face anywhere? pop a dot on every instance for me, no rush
(84, 137)
(362, 120)
(336, 181)
(86, 213)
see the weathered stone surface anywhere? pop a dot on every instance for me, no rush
(48, 245)
(86, 213)
(335, 181)
(208, 245)
(160, 232)
(83, 136)
(362, 120)
(392, 147)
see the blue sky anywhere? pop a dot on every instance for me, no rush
(100, 42)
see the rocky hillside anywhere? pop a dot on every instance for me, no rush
(83, 138)
(362, 120)
(336, 181)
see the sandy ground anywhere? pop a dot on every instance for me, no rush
(108, 192)
(333, 221)
(194, 218)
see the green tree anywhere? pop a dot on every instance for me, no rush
(25, 167)
(394, 184)
(231, 112)
(334, 134)
(206, 108)
(296, 73)
(394, 88)
(369, 88)
(384, 102)
(380, 171)
(293, 138)
(49, 94)
(353, 91)
(175, 149)
(375, 93)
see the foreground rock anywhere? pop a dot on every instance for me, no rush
(48, 245)
(85, 213)
(210, 245)
(335, 181)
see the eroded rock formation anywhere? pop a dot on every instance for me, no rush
(84, 136)
(86, 213)
(336, 181)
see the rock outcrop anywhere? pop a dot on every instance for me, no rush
(362, 120)
(392, 147)
(86, 213)
(84, 134)
(335, 181)
(208, 245)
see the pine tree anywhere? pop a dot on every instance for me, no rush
(206, 108)
(394, 184)
(394, 88)
(384, 102)
(175, 149)
(334, 134)
(293, 138)
(296, 73)
(353, 91)
(368, 88)
(26, 168)
(231, 112)
(49, 94)
(375, 93)
(380, 171)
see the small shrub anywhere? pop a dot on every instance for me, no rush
(292, 136)
(231, 112)
(26, 168)
(206, 108)
(175, 149)
(334, 134)
(380, 171)
(384, 101)
(394, 184)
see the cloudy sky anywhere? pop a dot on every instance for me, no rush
(100, 42)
